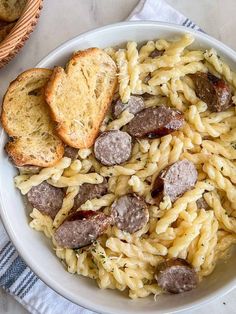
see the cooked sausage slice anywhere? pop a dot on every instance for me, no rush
(176, 276)
(175, 180)
(130, 213)
(215, 92)
(134, 105)
(46, 198)
(71, 152)
(89, 191)
(113, 147)
(155, 122)
(156, 53)
(201, 203)
(81, 229)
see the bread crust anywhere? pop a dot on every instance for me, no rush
(13, 11)
(5, 30)
(18, 148)
(58, 80)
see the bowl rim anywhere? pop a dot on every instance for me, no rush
(18, 244)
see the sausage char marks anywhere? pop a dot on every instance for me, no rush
(81, 229)
(155, 122)
(174, 180)
(215, 92)
(130, 213)
(176, 276)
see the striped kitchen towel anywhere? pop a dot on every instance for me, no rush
(159, 10)
(15, 276)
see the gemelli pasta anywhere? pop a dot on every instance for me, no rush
(196, 226)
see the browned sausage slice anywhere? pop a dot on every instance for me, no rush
(71, 152)
(176, 276)
(201, 203)
(89, 191)
(215, 92)
(175, 180)
(113, 147)
(130, 213)
(81, 229)
(46, 198)
(155, 122)
(134, 105)
(156, 53)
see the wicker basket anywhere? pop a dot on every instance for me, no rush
(15, 40)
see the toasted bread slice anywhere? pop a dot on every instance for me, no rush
(10, 10)
(80, 96)
(26, 118)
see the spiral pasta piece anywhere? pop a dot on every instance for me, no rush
(98, 203)
(162, 62)
(220, 66)
(217, 148)
(77, 179)
(190, 233)
(41, 222)
(176, 151)
(145, 50)
(123, 75)
(201, 125)
(213, 201)
(68, 203)
(225, 166)
(74, 168)
(230, 136)
(192, 56)
(145, 291)
(131, 250)
(209, 259)
(222, 182)
(163, 76)
(177, 47)
(133, 67)
(124, 119)
(181, 204)
(70, 258)
(164, 152)
(43, 175)
(136, 184)
(203, 242)
(195, 137)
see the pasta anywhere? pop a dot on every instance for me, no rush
(122, 63)
(200, 225)
(67, 205)
(133, 56)
(44, 174)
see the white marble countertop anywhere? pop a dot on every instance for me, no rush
(64, 19)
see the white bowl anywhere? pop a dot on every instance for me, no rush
(36, 250)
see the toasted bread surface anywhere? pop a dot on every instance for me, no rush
(26, 118)
(80, 96)
(5, 30)
(10, 10)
